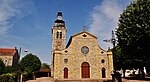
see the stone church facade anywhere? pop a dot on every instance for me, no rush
(82, 57)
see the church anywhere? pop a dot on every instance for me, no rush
(81, 57)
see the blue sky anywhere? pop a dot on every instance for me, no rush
(27, 23)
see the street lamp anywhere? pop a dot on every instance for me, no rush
(22, 73)
(25, 50)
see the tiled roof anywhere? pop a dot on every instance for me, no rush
(45, 70)
(7, 51)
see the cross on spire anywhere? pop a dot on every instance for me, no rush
(84, 28)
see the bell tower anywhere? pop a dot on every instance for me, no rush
(59, 33)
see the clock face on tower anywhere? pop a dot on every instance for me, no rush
(84, 49)
(58, 43)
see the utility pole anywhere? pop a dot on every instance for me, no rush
(21, 76)
(112, 40)
(115, 75)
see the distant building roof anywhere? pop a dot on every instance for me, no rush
(7, 51)
(44, 70)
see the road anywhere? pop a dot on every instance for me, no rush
(48, 79)
(42, 79)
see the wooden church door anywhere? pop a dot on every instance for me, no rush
(85, 70)
(65, 72)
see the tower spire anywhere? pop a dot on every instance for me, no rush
(59, 15)
(59, 21)
(59, 33)
(84, 28)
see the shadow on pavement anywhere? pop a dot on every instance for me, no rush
(138, 78)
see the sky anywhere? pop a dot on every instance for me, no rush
(28, 23)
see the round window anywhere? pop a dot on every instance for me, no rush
(84, 49)
(65, 60)
(102, 60)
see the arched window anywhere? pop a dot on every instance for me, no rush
(65, 72)
(6, 62)
(103, 73)
(60, 35)
(57, 35)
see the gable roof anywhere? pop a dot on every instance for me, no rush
(7, 51)
(69, 42)
(86, 33)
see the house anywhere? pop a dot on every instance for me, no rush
(10, 56)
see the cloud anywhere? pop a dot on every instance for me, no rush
(12, 9)
(104, 18)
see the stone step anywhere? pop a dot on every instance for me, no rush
(84, 80)
(76, 81)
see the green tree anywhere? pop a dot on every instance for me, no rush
(2, 67)
(30, 63)
(15, 70)
(12, 69)
(45, 66)
(8, 69)
(133, 33)
(9, 77)
(117, 58)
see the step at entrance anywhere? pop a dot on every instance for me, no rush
(85, 80)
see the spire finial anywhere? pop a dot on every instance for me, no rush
(84, 28)
(59, 15)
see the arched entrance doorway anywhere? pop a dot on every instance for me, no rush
(103, 73)
(85, 70)
(65, 72)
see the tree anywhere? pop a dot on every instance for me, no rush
(8, 69)
(117, 58)
(45, 66)
(2, 67)
(9, 77)
(133, 33)
(30, 63)
(120, 63)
